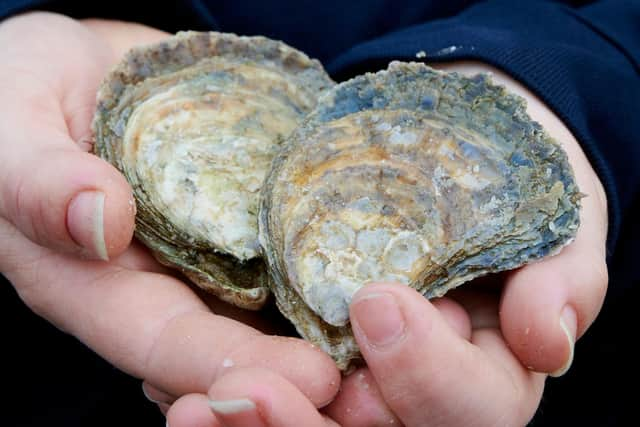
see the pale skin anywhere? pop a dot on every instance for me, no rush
(478, 357)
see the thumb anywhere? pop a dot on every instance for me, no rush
(68, 200)
(426, 367)
(53, 192)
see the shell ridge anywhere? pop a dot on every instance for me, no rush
(493, 174)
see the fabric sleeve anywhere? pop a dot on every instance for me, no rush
(170, 16)
(582, 62)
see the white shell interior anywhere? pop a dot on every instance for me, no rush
(202, 150)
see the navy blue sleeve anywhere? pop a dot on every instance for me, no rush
(583, 63)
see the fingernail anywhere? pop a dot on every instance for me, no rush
(229, 407)
(164, 408)
(568, 324)
(85, 221)
(379, 318)
(144, 391)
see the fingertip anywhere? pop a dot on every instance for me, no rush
(73, 202)
(101, 218)
(163, 408)
(377, 319)
(191, 410)
(155, 395)
(428, 361)
(260, 397)
(85, 221)
(382, 316)
(538, 321)
(568, 324)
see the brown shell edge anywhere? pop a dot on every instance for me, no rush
(170, 55)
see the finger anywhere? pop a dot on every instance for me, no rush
(155, 395)
(455, 315)
(55, 193)
(329, 422)
(258, 397)
(72, 202)
(427, 371)
(192, 410)
(247, 398)
(153, 326)
(163, 408)
(360, 403)
(216, 345)
(547, 305)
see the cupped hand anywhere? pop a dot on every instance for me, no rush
(66, 222)
(480, 356)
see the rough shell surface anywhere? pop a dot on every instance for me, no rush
(193, 123)
(411, 175)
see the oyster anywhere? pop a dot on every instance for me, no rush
(411, 175)
(193, 123)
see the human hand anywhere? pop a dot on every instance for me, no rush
(62, 209)
(480, 355)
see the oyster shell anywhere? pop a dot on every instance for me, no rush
(193, 123)
(411, 175)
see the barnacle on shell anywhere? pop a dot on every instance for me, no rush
(411, 175)
(193, 123)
